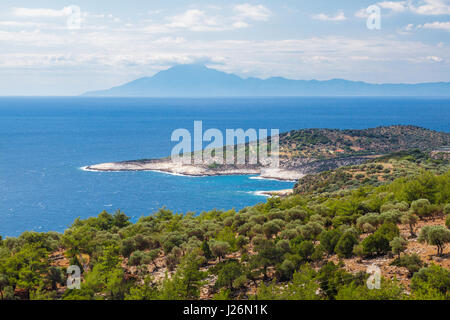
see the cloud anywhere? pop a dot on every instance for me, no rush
(195, 20)
(201, 21)
(432, 7)
(406, 30)
(397, 6)
(435, 59)
(170, 40)
(240, 25)
(42, 12)
(436, 25)
(20, 24)
(339, 16)
(362, 14)
(421, 7)
(252, 12)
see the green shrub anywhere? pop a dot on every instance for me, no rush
(398, 245)
(411, 262)
(422, 208)
(136, 258)
(344, 247)
(329, 239)
(376, 244)
(430, 279)
(389, 230)
(306, 249)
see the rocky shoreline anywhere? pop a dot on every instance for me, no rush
(286, 171)
(178, 168)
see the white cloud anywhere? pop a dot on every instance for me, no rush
(431, 7)
(435, 59)
(41, 12)
(421, 7)
(409, 27)
(170, 40)
(362, 13)
(201, 21)
(192, 19)
(397, 6)
(240, 25)
(406, 30)
(436, 25)
(252, 12)
(20, 24)
(339, 16)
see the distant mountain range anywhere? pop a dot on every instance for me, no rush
(199, 81)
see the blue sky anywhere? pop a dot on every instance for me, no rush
(51, 48)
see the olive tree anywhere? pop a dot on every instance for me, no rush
(435, 235)
(398, 245)
(410, 219)
(422, 208)
(271, 228)
(219, 249)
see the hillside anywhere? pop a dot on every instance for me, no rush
(329, 143)
(374, 172)
(200, 81)
(314, 245)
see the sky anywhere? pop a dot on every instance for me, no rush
(59, 47)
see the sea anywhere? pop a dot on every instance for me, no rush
(44, 143)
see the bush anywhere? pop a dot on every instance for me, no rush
(447, 221)
(306, 249)
(374, 219)
(411, 262)
(284, 245)
(389, 230)
(398, 245)
(329, 240)
(297, 213)
(311, 230)
(271, 228)
(228, 273)
(318, 254)
(286, 270)
(447, 208)
(393, 216)
(431, 278)
(206, 250)
(344, 247)
(376, 244)
(422, 208)
(136, 258)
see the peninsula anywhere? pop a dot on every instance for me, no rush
(304, 152)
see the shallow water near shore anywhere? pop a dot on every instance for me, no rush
(45, 141)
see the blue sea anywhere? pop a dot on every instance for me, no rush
(45, 141)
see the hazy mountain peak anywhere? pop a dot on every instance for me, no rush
(197, 80)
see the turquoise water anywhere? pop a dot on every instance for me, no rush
(44, 142)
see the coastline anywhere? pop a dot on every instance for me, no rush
(289, 170)
(190, 170)
(274, 193)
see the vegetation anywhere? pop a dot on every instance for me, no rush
(298, 247)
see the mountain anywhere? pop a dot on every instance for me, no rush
(199, 81)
